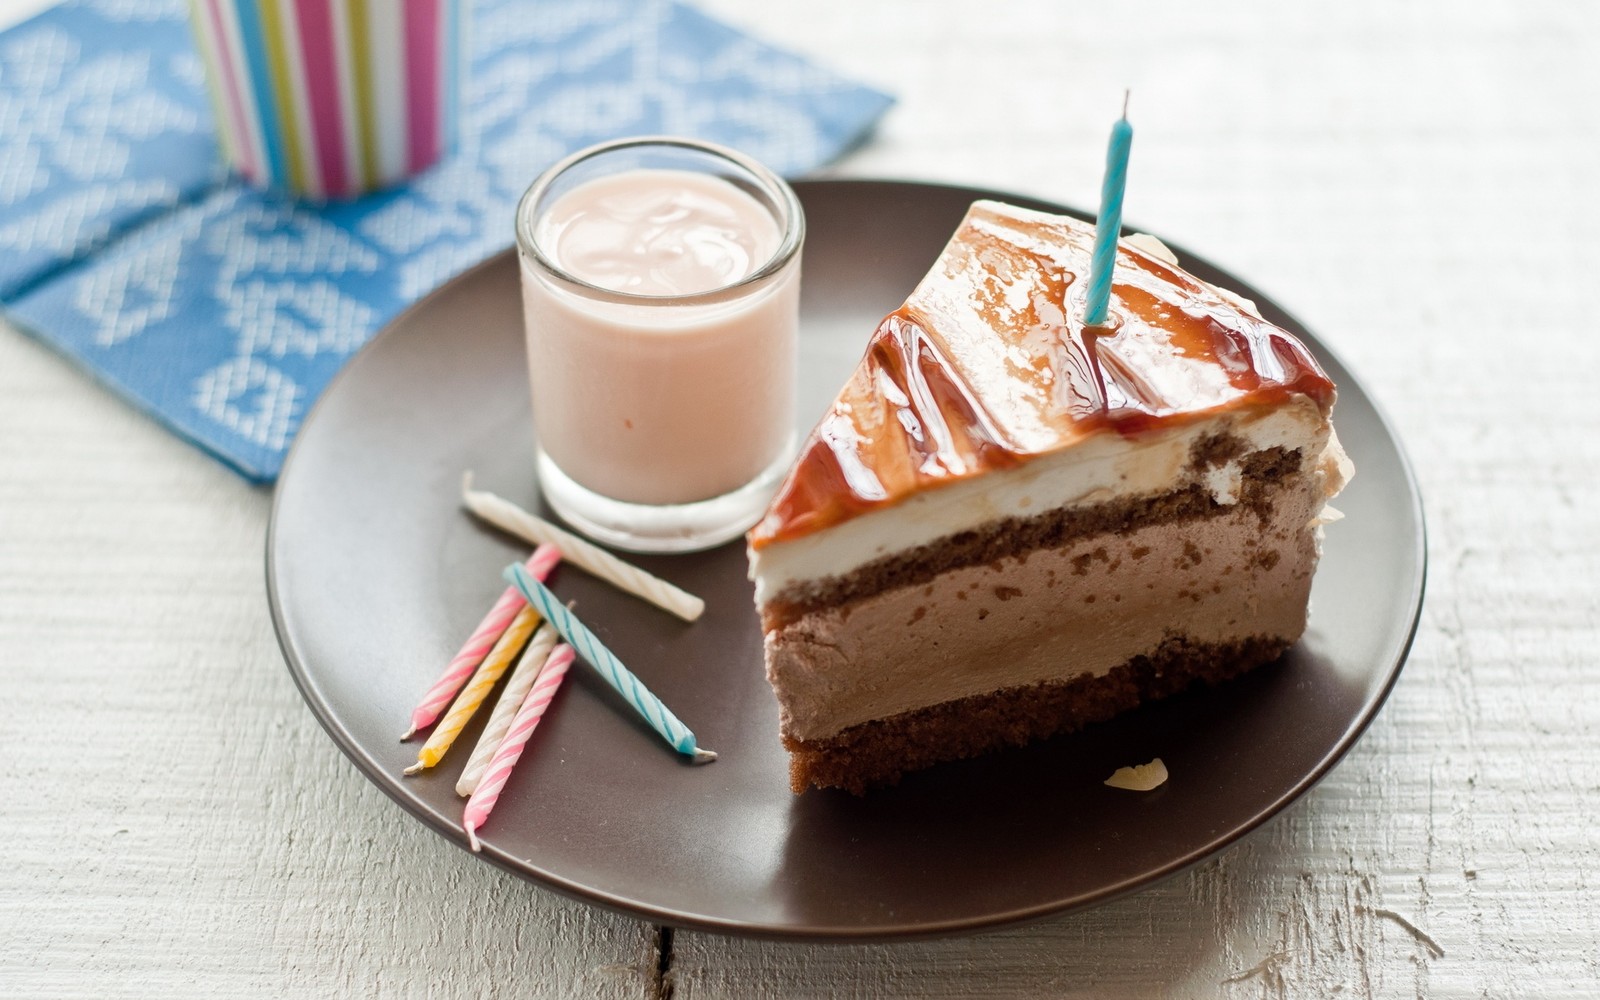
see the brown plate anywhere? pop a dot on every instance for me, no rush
(375, 576)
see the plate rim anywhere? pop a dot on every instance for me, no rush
(526, 870)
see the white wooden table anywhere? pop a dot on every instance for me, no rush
(1417, 181)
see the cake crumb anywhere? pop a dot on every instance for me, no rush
(1140, 777)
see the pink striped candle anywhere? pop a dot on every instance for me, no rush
(328, 99)
(477, 646)
(505, 759)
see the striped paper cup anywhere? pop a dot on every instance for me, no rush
(328, 99)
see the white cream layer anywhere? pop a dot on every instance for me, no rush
(1103, 468)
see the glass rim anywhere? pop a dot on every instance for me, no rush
(793, 234)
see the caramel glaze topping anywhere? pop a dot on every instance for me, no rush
(987, 365)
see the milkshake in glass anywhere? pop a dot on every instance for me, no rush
(660, 282)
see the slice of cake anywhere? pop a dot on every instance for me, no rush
(1009, 525)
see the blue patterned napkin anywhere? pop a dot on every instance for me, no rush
(224, 312)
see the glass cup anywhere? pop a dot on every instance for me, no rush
(661, 293)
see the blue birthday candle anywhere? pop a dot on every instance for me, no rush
(1109, 224)
(582, 640)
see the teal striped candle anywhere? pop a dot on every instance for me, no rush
(1109, 224)
(578, 636)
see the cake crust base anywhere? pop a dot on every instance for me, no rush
(878, 753)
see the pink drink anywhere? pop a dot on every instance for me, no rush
(658, 232)
(664, 375)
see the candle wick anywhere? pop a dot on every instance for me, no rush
(702, 756)
(1126, 93)
(409, 733)
(472, 837)
(416, 768)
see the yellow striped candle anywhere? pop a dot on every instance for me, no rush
(331, 98)
(466, 704)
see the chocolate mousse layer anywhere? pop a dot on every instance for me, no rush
(878, 753)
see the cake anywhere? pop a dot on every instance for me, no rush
(1008, 525)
